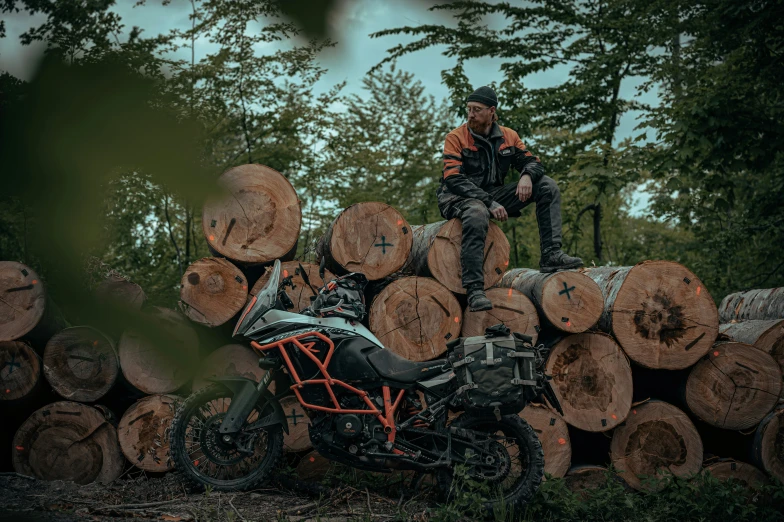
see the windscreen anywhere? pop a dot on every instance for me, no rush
(258, 305)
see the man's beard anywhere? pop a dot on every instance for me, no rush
(476, 126)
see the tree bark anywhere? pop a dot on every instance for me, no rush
(767, 451)
(81, 364)
(657, 437)
(510, 308)
(761, 304)
(735, 387)
(553, 433)
(415, 317)
(592, 380)
(659, 312)
(436, 253)
(370, 237)
(255, 219)
(68, 441)
(212, 291)
(569, 301)
(25, 309)
(161, 358)
(144, 431)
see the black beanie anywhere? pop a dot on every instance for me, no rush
(484, 95)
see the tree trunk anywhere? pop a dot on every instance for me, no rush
(370, 237)
(144, 431)
(762, 304)
(257, 217)
(436, 253)
(592, 380)
(657, 437)
(81, 364)
(659, 312)
(163, 357)
(68, 441)
(297, 439)
(301, 293)
(25, 309)
(767, 452)
(735, 387)
(118, 292)
(20, 371)
(510, 308)
(768, 336)
(212, 291)
(415, 317)
(741, 471)
(553, 433)
(231, 360)
(569, 301)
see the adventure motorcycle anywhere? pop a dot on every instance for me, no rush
(369, 408)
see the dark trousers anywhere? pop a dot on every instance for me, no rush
(476, 219)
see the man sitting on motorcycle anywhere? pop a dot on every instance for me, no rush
(477, 157)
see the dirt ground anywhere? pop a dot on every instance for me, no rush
(169, 498)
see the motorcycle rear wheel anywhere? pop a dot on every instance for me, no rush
(520, 466)
(205, 460)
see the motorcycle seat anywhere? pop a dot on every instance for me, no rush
(390, 365)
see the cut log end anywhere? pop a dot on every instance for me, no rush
(23, 300)
(735, 387)
(740, 471)
(212, 291)
(256, 219)
(656, 437)
(68, 441)
(767, 335)
(582, 479)
(301, 293)
(297, 439)
(20, 370)
(231, 360)
(313, 467)
(81, 364)
(553, 433)
(144, 431)
(592, 380)
(415, 317)
(372, 238)
(510, 308)
(659, 311)
(162, 358)
(118, 292)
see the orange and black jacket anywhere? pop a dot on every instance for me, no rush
(473, 164)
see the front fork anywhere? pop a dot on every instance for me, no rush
(247, 395)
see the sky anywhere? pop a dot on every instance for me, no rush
(349, 61)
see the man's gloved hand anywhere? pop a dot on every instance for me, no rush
(524, 187)
(498, 212)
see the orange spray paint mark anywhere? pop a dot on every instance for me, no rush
(699, 289)
(35, 281)
(20, 448)
(509, 293)
(399, 221)
(195, 462)
(568, 323)
(312, 459)
(457, 319)
(716, 353)
(562, 441)
(244, 287)
(285, 273)
(634, 412)
(614, 416)
(212, 238)
(506, 264)
(8, 391)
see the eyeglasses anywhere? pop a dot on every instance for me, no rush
(475, 110)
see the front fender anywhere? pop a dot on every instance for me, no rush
(246, 396)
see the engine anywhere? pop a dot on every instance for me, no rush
(350, 432)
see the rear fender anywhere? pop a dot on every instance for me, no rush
(247, 394)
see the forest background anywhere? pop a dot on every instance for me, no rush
(108, 149)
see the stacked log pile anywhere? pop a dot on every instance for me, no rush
(652, 376)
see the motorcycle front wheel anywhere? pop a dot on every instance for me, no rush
(205, 459)
(510, 475)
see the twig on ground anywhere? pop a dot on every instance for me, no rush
(141, 506)
(235, 509)
(302, 508)
(370, 510)
(15, 474)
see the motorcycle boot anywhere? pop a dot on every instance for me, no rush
(477, 300)
(556, 259)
